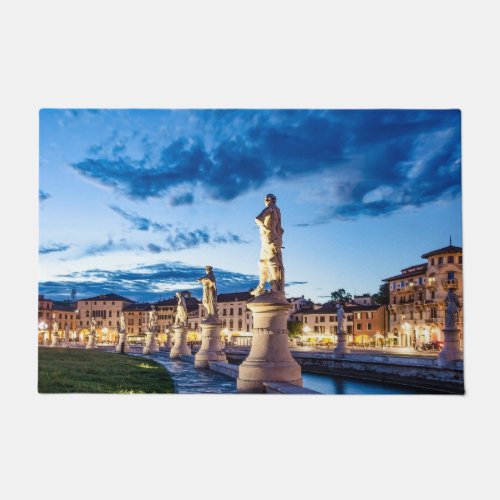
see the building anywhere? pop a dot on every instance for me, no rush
(136, 320)
(417, 297)
(364, 324)
(106, 310)
(64, 312)
(299, 306)
(236, 319)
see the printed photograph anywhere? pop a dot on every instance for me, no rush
(250, 251)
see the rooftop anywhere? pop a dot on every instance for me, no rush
(63, 306)
(144, 306)
(421, 269)
(109, 296)
(331, 308)
(234, 297)
(448, 249)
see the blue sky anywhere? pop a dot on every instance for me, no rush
(139, 201)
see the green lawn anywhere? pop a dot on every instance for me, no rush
(78, 370)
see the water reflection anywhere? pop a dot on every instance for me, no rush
(332, 384)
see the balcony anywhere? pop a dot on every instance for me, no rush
(450, 284)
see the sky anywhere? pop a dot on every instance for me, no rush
(137, 202)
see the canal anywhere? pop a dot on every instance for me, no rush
(333, 384)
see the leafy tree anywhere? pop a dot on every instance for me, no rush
(382, 297)
(341, 295)
(294, 329)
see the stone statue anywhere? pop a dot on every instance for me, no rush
(181, 314)
(55, 325)
(271, 263)
(122, 322)
(452, 306)
(209, 293)
(340, 318)
(153, 320)
(92, 325)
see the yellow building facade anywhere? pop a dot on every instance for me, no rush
(417, 297)
(106, 310)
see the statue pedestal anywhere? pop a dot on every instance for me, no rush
(211, 349)
(341, 347)
(55, 340)
(270, 359)
(451, 351)
(151, 344)
(168, 342)
(180, 342)
(91, 343)
(122, 341)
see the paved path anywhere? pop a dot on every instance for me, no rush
(189, 380)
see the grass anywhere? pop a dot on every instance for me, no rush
(78, 370)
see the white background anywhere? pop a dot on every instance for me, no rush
(159, 54)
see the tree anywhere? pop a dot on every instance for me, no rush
(382, 297)
(341, 296)
(294, 329)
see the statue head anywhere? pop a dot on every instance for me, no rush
(270, 198)
(208, 269)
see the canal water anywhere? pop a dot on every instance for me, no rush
(330, 384)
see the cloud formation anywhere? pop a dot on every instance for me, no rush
(370, 163)
(138, 222)
(176, 238)
(147, 282)
(58, 247)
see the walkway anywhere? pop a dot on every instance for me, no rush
(189, 380)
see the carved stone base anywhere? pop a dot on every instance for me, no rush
(451, 352)
(211, 349)
(91, 343)
(55, 341)
(341, 347)
(151, 344)
(269, 359)
(180, 343)
(168, 342)
(122, 341)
